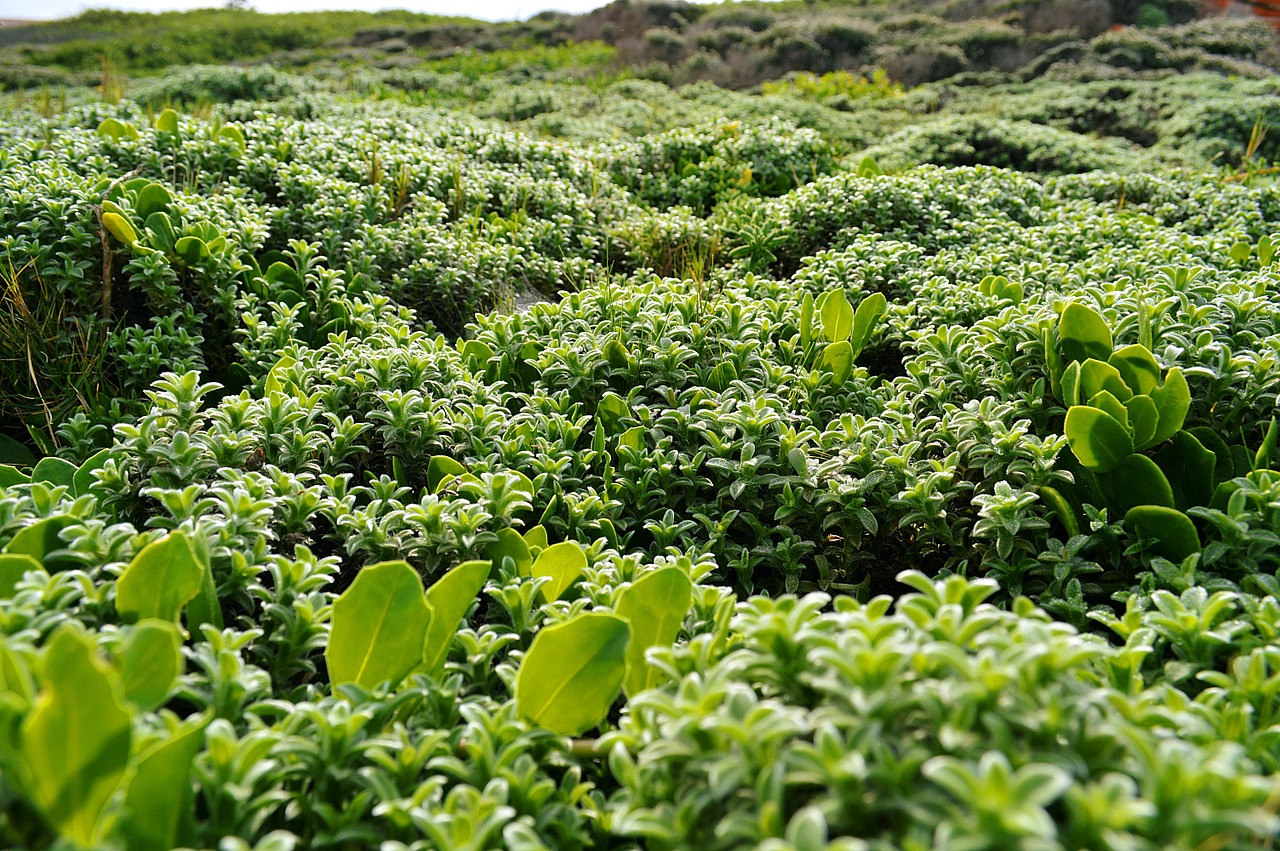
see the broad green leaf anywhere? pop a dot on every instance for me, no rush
(167, 122)
(55, 471)
(160, 580)
(1173, 400)
(160, 798)
(1189, 468)
(1143, 421)
(536, 537)
(231, 133)
(119, 227)
(476, 354)
(1136, 480)
(450, 598)
(869, 310)
(632, 437)
(1137, 367)
(40, 538)
(1083, 334)
(191, 250)
(115, 130)
(378, 627)
(724, 374)
(153, 198)
(868, 167)
(438, 468)
(1096, 438)
(84, 479)
(1096, 376)
(838, 359)
(1070, 392)
(572, 673)
(1224, 468)
(15, 680)
(511, 544)
(75, 742)
(13, 452)
(277, 380)
(10, 476)
(655, 606)
(1173, 531)
(611, 411)
(1104, 401)
(13, 566)
(161, 228)
(150, 663)
(564, 563)
(205, 606)
(616, 354)
(837, 317)
(806, 320)
(1240, 251)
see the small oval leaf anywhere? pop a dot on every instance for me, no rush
(564, 563)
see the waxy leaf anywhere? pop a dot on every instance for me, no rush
(655, 606)
(869, 310)
(441, 467)
(119, 227)
(1083, 334)
(1174, 533)
(55, 471)
(84, 479)
(167, 122)
(378, 627)
(13, 566)
(838, 358)
(564, 563)
(150, 663)
(1136, 480)
(512, 545)
(450, 598)
(1096, 376)
(161, 799)
(1137, 367)
(1173, 400)
(10, 476)
(40, 538)
(837, 317)
(75, 742)
(160, 580)
(1189, 468)
(806, 320)
(153, 198)
(536, 537)
(1097, 439)
(1144, 419)
(572, 673)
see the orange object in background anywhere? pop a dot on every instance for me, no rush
(1269, 9)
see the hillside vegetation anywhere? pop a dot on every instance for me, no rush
(787, 426)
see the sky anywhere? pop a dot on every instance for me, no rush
(490, 9)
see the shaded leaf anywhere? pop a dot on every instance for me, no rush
(572, 672)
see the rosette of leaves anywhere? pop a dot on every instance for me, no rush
(1124, 425)
(140, 214)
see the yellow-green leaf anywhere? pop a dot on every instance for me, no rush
(160, 580)
(150, 663)
(379, 625)
(564, 563)
(572, 673)
(655, 606)
(450, 598)
(76, 739)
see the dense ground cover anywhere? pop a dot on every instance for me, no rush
(818, 507)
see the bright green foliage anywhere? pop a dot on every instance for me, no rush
(75, 741)
(379, 626)
(1097, 438)
(13, 566)
(572, 672)
(449, 598)
(655, 607)
(40, 538)
(562, 563)
(163, 578)
(150, 662)
(1174, 533)
(160, 796)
